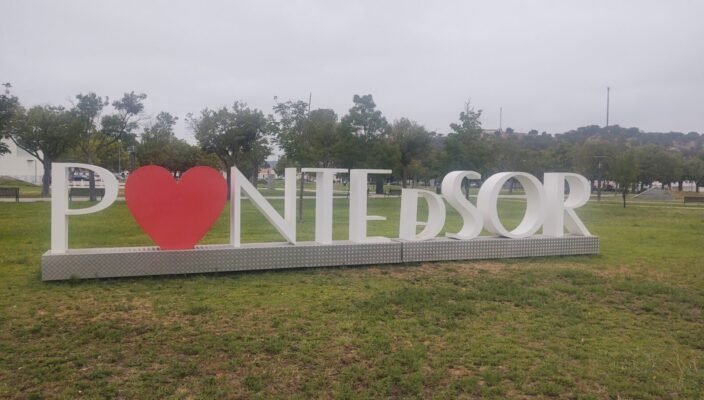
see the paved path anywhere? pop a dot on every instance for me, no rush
(610, 201)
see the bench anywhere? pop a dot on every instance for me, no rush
(10, 192)
(393, 192)
(85, 192)
(693, 199)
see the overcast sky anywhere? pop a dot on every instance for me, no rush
(547, 63)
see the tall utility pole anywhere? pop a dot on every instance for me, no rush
(608, 90)
(501, 118)
(133, 158)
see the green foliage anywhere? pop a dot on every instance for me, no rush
(97, 132)
(321, 141)
(46, 133)
(159, 146)
(464, 147)
(623, 169)
(289, 127)
(9, 106)
(124, 121)
(362, 138)
(237, 137)
(364, 119)
(410, 143)
(312, 138)
(470, 124)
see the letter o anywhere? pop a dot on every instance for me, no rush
(535, 204)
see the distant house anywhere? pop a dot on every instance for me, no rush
(267, 169)
(264, 172)
(19, 164)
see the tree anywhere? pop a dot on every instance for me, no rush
(371, 128)
(289, 129)
(282, 164)
(364, 119)
(309, 138)
(46, 133)
(114, 127)
(321, 137)
(658, 164)
(411, 143)
(695, 171)
(623, 169)
(9, 106)
(236, 137)
(592, 159)
(160, 146)
(464, 147)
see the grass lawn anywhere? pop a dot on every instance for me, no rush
(626, 324)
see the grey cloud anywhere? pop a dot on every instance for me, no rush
(547, 63)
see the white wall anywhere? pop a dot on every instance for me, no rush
(20, 165)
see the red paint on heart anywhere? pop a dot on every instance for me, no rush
(176, 215)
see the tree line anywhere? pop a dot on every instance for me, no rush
(108, 133)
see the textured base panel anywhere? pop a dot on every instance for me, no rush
(145, 261)
(444, 249)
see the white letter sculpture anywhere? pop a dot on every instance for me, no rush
(471, 217)
(562, 213)
(535, 204)
(59, 201)
(286, 226)
(409, 215)
(358, 206)
(323, 202)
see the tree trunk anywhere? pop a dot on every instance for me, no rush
(255, 178)
(91, 180)
(46, 178)
(91, 186)
(403, 178)
(624, 193)
(679, 185)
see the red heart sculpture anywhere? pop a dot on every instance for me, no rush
(176, 215)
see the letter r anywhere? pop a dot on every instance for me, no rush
(561, 213)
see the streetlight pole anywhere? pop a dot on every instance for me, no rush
(608, 93)
(501, 118)
(133, 159)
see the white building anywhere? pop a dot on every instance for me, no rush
(19, 164)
